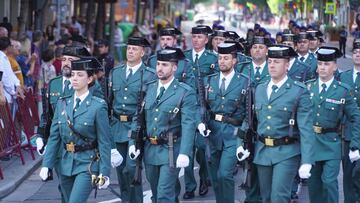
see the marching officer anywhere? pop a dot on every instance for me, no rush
(331, 101)
(168, 39)
(226, 92)
(281, 146)
(298, 70)
(257, 70)
(126, 83)
(314, 42)
(202, 61)
(170, 108)
(351, 78)
(80, 132)
(304, 54)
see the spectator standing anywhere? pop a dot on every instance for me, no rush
(47, 68)
(58, 60)
(6, 25)
(35, 49)
(342, 41)
(12, 53)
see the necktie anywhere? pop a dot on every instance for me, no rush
(274, 88)
(77, 104)
(129, 74)
(357, 79)
(66, 90)
(302, 59)
(162, 90)
(222, 86)
(257, 73)
(196, 59)
(323, 90)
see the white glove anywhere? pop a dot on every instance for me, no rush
(44, 173)
(354, 155)
(116, 158)
(304, 171)
(39, 145)
(202, 129)
(182, 161)
(133, 153)
(106, 183)
(245, 153)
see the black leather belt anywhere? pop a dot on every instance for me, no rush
(159, 140)
(272, 142)
(123, 117)
(321, 130)
(71, 147)
(224, 119)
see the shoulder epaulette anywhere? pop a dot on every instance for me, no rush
(185, 86)
(65, 97)
(211, 53)
(304, 64)
(244, 75)
(212, 75)
(150, 70)
(344, 85)
(98, 99)
(55, 78)
(300, 84)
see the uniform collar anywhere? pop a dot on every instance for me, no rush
(279, 84)
(82, 97)
(133, 68)
(199, 53)
(262, 66)
(164, 85)
(328, 83)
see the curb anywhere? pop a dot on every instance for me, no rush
(14, 179)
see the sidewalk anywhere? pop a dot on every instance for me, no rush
(15, 173)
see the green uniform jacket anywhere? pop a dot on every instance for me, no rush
(184, 69)
(125, 97)
(231, 104)
(312, 62)
(157, 116)
(96, 90)
(347, 77)
(91, 121)
(300, 71)
(273, 120)
(326, 115)
(244, 67)
(208, 62)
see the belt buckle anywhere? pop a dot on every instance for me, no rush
(154, 140)
(269, 142)
(70, 147)
(123, 118)
(218, 117)
(317, 129)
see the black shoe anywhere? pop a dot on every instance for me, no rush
(208, 183)
(203, 189)
(294, 197)
(189, 195)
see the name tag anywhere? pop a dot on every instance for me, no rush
(333, 101)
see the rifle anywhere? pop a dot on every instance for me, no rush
(250, 134)
(139, 132)
(106, 90)
(203, 109)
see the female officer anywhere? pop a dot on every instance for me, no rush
(80, 129)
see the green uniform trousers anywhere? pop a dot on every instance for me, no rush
(200, 156)
(347, 166)
(57, 171)
(221, 169)
(125, 173)
(76, 188)
(276, 180)
(253, 193)
(163, 180)
(323, 184)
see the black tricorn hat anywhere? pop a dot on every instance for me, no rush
(356, 44)
(325, 53)
(169, 31)
(220, 33)
(170, 54)
(239, 46)
(94, 61)
(304, 35)
(76, 51)
(85, 64)
(201, 29)
(233, 35)
(281, 51)
(288, 38)
(138, 41)
(314, 34)
(261, 40)
(227, 48)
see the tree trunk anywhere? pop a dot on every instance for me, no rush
(100, 20)
(89, 16)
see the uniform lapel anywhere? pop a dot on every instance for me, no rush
(123, 74)
(83, 106)
(265, 72)
(283, 89)
(69, 107)
(169, 91)
(136, 76)
(233, 84)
